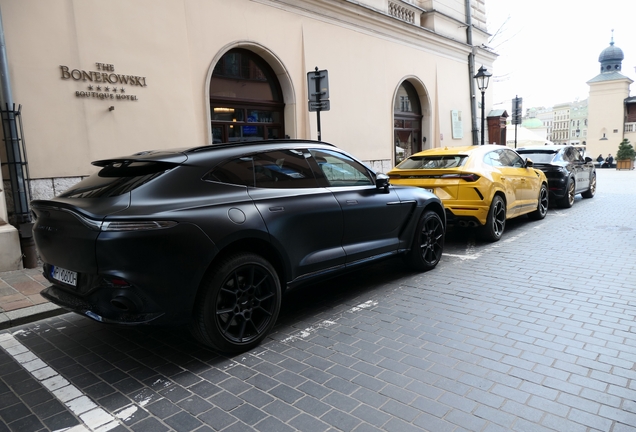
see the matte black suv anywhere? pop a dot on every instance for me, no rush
(210, 236)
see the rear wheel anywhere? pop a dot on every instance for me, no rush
(568, 199)
(496, 221)
(542, 205)
(238, 304)
(428, 242)
(592, 190)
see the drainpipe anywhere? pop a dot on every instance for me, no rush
(471, 71)
(15, 160)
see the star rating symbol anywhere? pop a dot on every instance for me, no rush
(122, 90)
(90, 87)
(99, 88)
(107, 88)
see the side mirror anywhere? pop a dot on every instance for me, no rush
(529, 163)
(382, 181)
(588, 159)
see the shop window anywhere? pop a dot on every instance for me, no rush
(246, 101)
(407, 121)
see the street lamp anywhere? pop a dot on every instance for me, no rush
(482, 77)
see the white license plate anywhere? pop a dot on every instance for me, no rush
(63, 275)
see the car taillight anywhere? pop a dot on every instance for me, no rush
(465, 177)
(136, 225)
(119, 282)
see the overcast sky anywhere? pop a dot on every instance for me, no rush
(548, 49)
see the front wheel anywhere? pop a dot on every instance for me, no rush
(238, 304)
(592, 190)
(428, 242)
(542, 205)
(496, 221)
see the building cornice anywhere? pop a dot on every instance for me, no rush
(371, 21)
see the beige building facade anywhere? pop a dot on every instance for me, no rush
(561, 123)
(97, 80)
(578, 123)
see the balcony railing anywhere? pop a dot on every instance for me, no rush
(404, 12)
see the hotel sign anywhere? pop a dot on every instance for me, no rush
(104, 83)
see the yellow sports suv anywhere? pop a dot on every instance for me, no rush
(480, 186)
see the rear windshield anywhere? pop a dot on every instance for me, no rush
(117, 178)
(433, 162)
(540, 156)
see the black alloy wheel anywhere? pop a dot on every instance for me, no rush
(542, 205)
(238, 304)
(428, 242)
(496, 221)
(592, 190)
(568, 199)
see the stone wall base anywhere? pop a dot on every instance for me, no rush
(10, 251)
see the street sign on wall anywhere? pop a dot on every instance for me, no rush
(318, 92)
(319, 106)
(318, 86)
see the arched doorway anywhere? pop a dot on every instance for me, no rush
(246, 101)
(407, 122)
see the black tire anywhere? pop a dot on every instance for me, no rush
(238, 304)
(568, 199)
(428, 242)
(592, 190)
(496, 221)
(542, 205)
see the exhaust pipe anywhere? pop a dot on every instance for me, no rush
(123, 304)
(125, 301)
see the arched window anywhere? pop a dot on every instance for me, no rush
(246, 101)
(407, 122)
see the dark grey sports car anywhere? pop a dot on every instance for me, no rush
(567, 170)
(210, 236)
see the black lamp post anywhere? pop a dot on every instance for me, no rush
(482, 77)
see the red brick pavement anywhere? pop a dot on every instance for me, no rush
(21, 288)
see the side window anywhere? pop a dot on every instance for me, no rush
(283, 169)
(514, 160)
(340, 170)
(237, 171)
(573, 155)
(276, 169)
(494, 158)
(579, 155)
(567, 155)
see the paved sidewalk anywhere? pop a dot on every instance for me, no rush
(20, 299)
